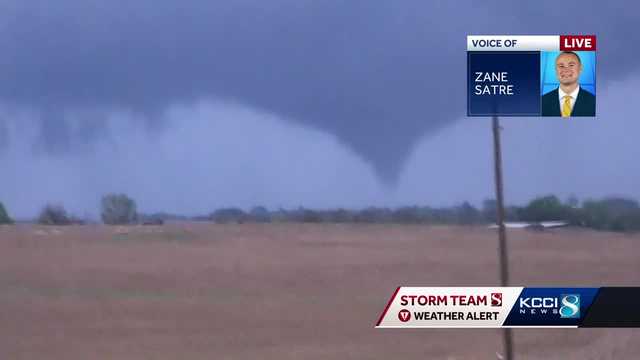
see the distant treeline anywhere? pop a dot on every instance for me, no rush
(612, 213)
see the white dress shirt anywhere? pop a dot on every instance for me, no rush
(573, 94)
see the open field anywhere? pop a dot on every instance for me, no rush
(283, 291)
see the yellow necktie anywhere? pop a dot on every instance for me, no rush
(566, 106)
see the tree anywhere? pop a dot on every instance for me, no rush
(407, 215)
(339, 216)
(309, 216)
(467, 214)
(490, 210)
(374, 215)
(118, 209)
(229, 215)
(260, 214)
(54, 215)
(4, 216)
(544, 209)
(512, 213)
(614, 213)
(573, 201)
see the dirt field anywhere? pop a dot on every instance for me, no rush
(277, 291)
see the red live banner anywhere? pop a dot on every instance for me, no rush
(577, 43)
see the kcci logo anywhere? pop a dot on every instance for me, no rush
(566, 305)
(570, 308)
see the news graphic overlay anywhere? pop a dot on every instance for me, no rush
(496, 307)
(526, 75)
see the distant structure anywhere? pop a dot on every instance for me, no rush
(532, 225)
(153, 221)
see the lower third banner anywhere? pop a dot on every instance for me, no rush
(494, 307)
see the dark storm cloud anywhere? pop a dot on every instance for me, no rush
(378, 75)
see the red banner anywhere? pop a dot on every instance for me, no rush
(577, 43)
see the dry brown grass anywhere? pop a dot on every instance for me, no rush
(283, 291)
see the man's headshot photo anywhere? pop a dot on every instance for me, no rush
(568, 84)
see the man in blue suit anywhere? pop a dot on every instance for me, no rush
(569, 99)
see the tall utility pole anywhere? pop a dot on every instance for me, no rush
(502, 233)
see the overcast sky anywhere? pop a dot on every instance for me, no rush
(192, 106)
